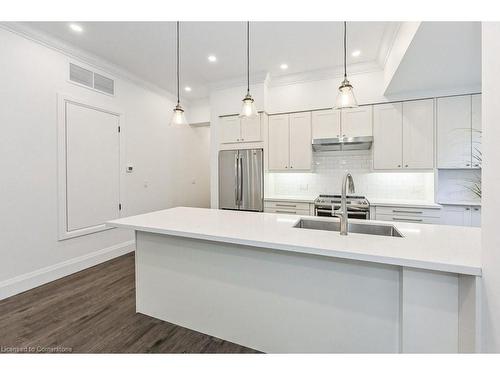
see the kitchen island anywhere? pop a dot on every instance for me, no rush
(256, 280)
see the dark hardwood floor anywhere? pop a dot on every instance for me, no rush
(93, 311)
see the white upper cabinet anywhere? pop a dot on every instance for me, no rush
(403, 135)
(250, 130)
(236, 130)
(326, 124)
(230, 131)
(454, 132)
(418, 134)
(300, 141)
(388, 136)
(289, 142)
(278, 142)
(356, 122)
(476, 131)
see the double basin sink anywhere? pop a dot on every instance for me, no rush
(373, 229)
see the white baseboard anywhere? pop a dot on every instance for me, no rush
(44, 275)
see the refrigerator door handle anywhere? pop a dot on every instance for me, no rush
(240, 173)
(237, 180)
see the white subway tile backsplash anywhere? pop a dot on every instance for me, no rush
(329, 168)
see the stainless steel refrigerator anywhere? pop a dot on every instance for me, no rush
(241, 180)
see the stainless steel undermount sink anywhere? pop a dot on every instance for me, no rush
(374, 229)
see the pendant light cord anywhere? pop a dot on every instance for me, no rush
(345, 50)
(178, 95)
(248, 57)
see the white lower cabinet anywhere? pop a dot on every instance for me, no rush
(408, 214)
(289, 207)
(467, 216)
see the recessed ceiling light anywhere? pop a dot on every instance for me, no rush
(76, 28)
(284, 66)
(212, 58)
(187, 88)
(356, 53)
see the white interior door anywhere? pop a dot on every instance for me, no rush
(454, 132)
(387, 136)
(326, 124)
(278, 143)
(92, 167)
(356, 122)
(418, 134)
(300, 141)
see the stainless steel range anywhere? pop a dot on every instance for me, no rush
(358, 206)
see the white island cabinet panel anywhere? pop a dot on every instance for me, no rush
(388, 137)
(418, 134)
(326, 124)
(454, 132)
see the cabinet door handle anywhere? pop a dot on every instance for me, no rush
(467, 165)
(406, 165)
(467, 209)
(286, 212)
(405, 219)
(476, 209)
(291, 166)
(285, 205)
(407, 212)
(399, 165)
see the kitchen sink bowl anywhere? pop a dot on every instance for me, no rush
(373, 229)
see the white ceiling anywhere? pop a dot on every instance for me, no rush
(441, 56)
(147, 49)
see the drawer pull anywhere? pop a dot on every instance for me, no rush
(407, 212)
(285, 205)
(405, 219)
(286, 212)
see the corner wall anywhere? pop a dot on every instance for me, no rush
(491, 186)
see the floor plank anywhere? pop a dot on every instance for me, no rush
(93, 311)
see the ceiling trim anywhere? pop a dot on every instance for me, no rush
(255, 79)
(388, 40)
(84, 57)
(324, 74)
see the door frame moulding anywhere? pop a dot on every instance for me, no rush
(62, 100)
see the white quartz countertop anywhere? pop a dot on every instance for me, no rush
(434, 247)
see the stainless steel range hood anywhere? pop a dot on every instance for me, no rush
(342, 144)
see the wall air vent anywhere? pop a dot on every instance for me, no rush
(91, 79)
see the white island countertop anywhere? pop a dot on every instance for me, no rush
(433, 247)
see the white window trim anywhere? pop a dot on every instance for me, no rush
(62, 99)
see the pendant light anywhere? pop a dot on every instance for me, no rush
(178, 118)
(345, 97)
(248, 110)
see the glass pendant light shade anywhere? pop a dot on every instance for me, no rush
(248, 110)
(178, 117)
(345, 97)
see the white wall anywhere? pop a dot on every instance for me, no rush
(490, 185)
(168, 169)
